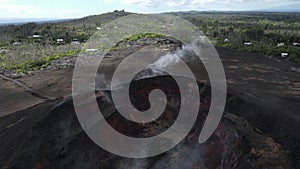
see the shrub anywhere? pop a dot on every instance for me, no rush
(37, 64)
(142, 35)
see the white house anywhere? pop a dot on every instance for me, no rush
(248, 43)
(98, 28)
(36, 36)
(3, 50)
(16, 44)
(91, 50)
(226, 40)
(59, 40)
(75, 42)
(202, 37)
(284, 55)
(296, 44)
(280, 44)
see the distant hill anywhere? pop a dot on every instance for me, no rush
(20, 21)
(101, 18)
(93, 19)
(286, 8)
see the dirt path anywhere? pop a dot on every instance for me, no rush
(26, 88)
(25, 92)
(14, 98)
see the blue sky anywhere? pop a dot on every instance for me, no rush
(79, 8)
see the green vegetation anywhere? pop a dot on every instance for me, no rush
(265, 31)
(118, 47)
(136, 37)
(30, 52)
(268, 33)
(121, 45)
(43, 62)
(143, 35)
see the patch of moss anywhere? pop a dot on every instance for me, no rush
(37, 64)
(143, 35)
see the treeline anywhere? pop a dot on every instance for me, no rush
(269, 33)
(33, 46)
(78, 29)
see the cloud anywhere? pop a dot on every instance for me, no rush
(12, 10)
(108, 1)
(145, 3)
(192, 3)
(63, 8)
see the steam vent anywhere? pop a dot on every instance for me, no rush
(48, 135)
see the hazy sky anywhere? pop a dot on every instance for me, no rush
(79, 8)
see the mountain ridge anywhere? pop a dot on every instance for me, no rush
(285, 8)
